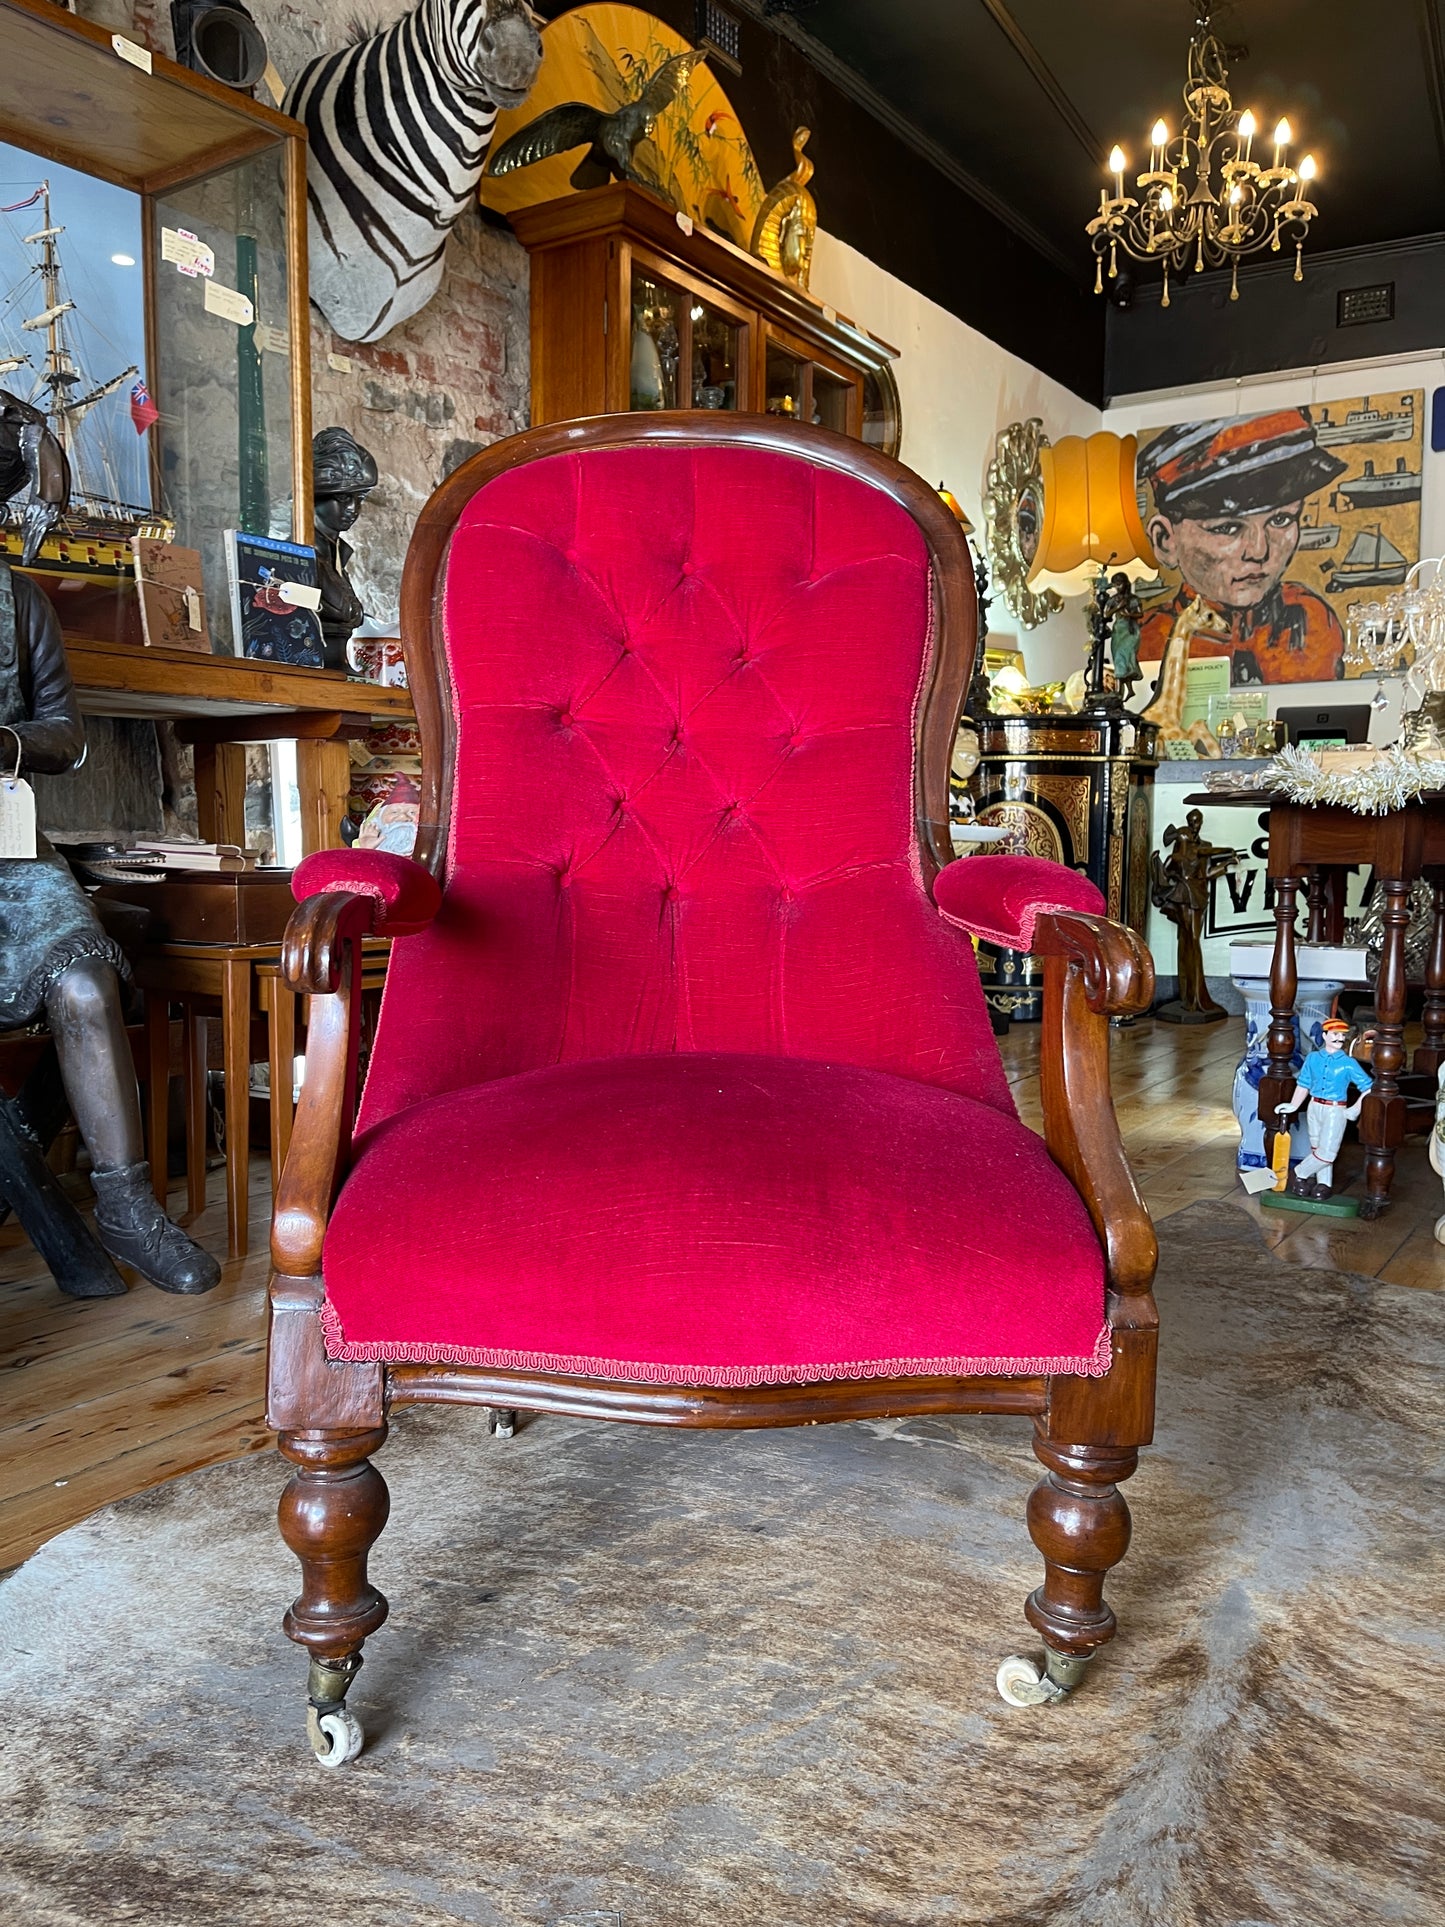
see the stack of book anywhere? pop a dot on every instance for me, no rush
(152, 857)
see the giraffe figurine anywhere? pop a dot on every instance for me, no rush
(1166, 712)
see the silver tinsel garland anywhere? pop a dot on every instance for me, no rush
(1392, 780)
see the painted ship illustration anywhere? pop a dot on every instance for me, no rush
(1372, 491)
(1366, 424)
(1317, 534)
(1373, 562)
(40, 361)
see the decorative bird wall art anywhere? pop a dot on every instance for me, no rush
(788, 220)
(612, 140)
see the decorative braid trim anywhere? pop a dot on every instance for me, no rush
(1022, 935)
(1094, 1365)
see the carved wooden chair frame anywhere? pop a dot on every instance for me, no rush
(331, 1417)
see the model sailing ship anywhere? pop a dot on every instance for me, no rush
(95, 535)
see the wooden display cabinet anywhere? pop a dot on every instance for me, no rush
(634, 306)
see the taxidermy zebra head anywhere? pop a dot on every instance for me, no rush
(399, 124)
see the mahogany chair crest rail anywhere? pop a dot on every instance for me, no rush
(683, 932)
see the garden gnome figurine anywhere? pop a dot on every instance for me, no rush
(1329, 1077)
(343, 474)
(55, 959)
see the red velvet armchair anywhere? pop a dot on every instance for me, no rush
(683, 1044)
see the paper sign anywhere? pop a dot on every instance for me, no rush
(190, 256)
(136, 57)
(339, 364)
(17, 817)
(300, 595)
(229, 303)
(270, 340)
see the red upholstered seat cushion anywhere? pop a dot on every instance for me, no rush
(708, 1218)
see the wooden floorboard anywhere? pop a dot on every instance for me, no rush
(104, 1398)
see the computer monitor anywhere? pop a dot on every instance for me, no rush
(1327, 728)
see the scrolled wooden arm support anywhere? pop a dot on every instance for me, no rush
(319, 959)
(1116, 971)
(1094, 970)
(317, 936)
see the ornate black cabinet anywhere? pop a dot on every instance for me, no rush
(1069, 788)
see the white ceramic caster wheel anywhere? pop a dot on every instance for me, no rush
(501, 1423)
(1020, 1682)
(336, 1738)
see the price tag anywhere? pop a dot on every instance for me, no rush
(300, 595)
(193, 610)
(275, 85)
(190, 255)
(339, 364)
(17, 817)
(271, 340)
(229, 303)
(684, 221)
(134, 56)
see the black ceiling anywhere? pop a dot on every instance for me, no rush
(1025, 97)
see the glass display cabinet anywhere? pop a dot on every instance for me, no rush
(636, 307)
(213, 184)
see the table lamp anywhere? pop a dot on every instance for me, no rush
(1089, 529)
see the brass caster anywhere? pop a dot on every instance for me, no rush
(501, 1423)
(335, 1735)
(1020, 1682)
(336, 1738)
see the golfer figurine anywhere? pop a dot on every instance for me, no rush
(1328, 1078)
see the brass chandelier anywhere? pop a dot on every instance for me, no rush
(1204, 196)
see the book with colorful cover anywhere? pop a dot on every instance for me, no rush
(275, 603)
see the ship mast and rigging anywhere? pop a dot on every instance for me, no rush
(97, 503)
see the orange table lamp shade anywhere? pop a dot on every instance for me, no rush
(1090, 514)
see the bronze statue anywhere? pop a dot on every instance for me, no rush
(612, 140)
(1180, 888)
(343, 474)
(54, 956)
(1125, 615)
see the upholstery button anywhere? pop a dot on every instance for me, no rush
(564, 718)
(669, 892)
(785, 895)
(688, 568)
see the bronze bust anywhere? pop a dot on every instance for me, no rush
(343, 474)
(55, 958)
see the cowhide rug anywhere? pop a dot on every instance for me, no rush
(657, 1679)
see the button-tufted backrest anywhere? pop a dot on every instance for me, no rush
(685, 684)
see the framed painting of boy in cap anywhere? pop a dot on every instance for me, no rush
(1281, 521)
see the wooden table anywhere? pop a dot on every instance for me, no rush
(1311, 847)
(235, 981)
(221, 703)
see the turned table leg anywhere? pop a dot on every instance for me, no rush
(1382, 1119)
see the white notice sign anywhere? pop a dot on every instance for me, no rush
(229, 303)
(190, 255)
(17, 817)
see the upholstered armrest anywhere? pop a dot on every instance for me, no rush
(406, 896)
(344, 895)
(1000, 898)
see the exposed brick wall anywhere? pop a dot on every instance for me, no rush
(449, 381)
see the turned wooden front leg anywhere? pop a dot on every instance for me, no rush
(1431, 1051)
(1080, 1523)
(331, 1515)
(1278, 1082)
(1382, 1118)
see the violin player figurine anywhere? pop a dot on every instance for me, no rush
(1329, 1078)
(55, 959)
(343, 474)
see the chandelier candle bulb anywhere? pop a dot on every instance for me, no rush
(1160, 140)
(1246, 132)
(1283, 135)
(1117, 165)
